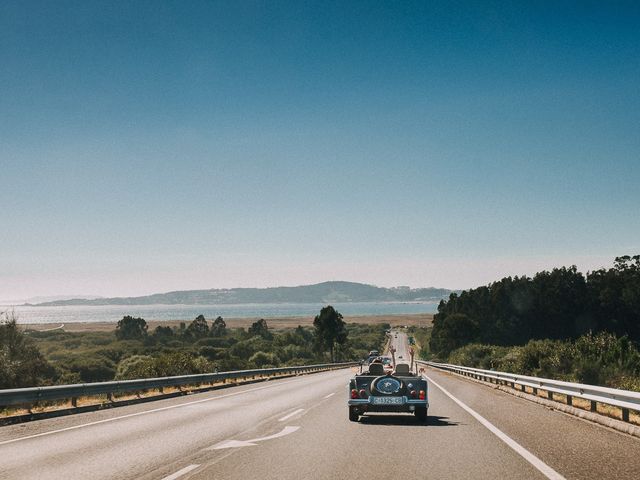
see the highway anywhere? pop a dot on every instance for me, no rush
(297, 428)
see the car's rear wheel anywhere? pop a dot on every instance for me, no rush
(354, 416)
(421, 414)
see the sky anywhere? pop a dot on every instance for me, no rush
(156, 146)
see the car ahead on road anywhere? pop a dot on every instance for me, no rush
(398, 391)
(387, 364)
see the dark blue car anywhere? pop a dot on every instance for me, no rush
(397, 391)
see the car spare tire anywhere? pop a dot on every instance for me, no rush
(387, 385)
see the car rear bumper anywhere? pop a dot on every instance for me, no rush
(405, 405)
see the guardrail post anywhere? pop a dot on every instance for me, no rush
(569, 400)
(550, 395)
(534, 390)
(74, 402)
(110, 397)
(594, 406)
(625, 414)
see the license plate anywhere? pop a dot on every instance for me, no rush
(387, 400)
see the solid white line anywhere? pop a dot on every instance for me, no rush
(170, 407)
(182, 472)
(330, 395)
(287, 417)
(545, 469)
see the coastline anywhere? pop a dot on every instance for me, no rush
(276, 323)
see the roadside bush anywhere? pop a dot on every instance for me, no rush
(211, 353)
(180, 363)
(600, 359)
(92, 369)
(295, 351)
(212, 342)
(229, 363)
(476, 355)
(262, 359)
(136, 366)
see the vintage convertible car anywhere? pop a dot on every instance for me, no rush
(399, 391)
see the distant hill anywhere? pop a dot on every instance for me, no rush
(55, 298)
(327, 292)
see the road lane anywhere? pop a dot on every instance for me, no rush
(134, 446)
(572, 446)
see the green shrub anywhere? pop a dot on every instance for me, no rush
(262, 359)
(92, 369)
(136, 366)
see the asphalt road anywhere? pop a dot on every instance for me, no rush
(298, 428)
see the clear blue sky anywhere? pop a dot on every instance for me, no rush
(152, 146)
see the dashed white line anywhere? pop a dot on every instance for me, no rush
(288, 416)
(330, 395)
(182, 472)
(545, 469)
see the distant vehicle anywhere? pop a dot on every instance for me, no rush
(373, 354)
(387, 364)
(400, 391)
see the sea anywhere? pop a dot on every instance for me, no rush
(113, 313)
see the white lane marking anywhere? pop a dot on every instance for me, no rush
(182, 472)
(545, 469)
(249, 443)
(170, 407)
(330, 395)
(288, 416)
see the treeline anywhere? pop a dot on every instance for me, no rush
(559, 324)
(200, 346)
(560, 304)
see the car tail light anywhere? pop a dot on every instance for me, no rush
(363, 393)
(413, 393)
(354, 393)
(423, 394)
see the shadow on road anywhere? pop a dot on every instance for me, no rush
(409, 420)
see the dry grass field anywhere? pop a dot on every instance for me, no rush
(420, 319)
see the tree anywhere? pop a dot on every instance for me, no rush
(163, 332)
(451, 332)
(218, 327)
(130, 328)
(198, 328)
(259, 328)
(21, 363)
(330, 330)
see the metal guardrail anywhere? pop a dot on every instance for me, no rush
(32, 395)
(624, 399)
